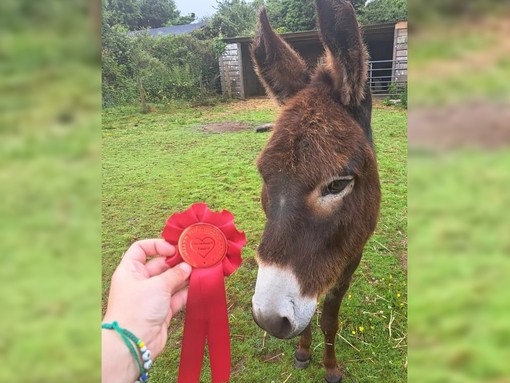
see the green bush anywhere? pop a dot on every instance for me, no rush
(396, 92)
(168, 67)
(403, 97)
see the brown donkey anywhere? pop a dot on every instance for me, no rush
(320, 188)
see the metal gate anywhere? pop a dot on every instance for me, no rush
(388, 78)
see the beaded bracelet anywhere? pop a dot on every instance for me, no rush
(128, 337)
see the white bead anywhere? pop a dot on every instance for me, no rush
(143, 349)
(146, 355)
(147, 364)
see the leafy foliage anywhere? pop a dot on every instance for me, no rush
(403, 97)
(117, 74)
(232, 18)
(292, 15)
(300, 15)
(155, 13)
(185, 19)
(124, 12)
(140, 14)
(168, 67)
(381, 11)
(397, 92)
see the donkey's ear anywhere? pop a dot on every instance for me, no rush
(346, 54)
(281, 70)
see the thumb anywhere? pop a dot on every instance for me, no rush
(176, 277)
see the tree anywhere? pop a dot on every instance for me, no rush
(157, 13)
(381, 11)
(292, 15)
(232, 18)
(297, 15)
(358, 4)
(124, 12)
(184, 19)
(140, 14)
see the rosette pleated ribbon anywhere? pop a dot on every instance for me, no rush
(210, 242)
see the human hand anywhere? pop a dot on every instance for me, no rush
(145, 295)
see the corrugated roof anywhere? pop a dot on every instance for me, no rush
(172, 30)
(313, 35)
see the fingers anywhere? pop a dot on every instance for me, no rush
(178, 302)
(176, 277)
(156, 266)
(140, 250)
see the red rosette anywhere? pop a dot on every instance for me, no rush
(210, 242)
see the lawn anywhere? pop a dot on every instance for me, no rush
(461, 61)
(159, 163)
(458, 277)
(50, 212)
(458, 222)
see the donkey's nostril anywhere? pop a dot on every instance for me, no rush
(286, 327)
(277, 326)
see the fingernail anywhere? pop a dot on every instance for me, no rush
(185, 267)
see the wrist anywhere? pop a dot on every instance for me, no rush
(148, 334)
(118, 364)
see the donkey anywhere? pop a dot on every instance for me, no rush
(321, 191)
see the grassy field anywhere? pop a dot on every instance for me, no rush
(458, 221)
(50, 212)
(458, 231)
(162, 162)
(462, 61)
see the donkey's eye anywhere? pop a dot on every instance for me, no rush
(336, 186)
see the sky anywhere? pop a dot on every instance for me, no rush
(201, 8)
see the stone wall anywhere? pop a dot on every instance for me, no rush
(231, 71)
(400, 52)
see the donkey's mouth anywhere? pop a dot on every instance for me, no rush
(278, 306)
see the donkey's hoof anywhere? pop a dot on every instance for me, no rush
(333, 375)
(300, 364)
(333, 379)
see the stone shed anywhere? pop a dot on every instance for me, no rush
(387, 45)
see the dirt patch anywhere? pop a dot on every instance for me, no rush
(223, 127)
(254, 103)
(482, 125)
(403, 260)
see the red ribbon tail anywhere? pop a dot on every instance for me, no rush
(206, 317)
(195, 330)
(218, 334)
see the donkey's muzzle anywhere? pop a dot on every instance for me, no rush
(278, 306)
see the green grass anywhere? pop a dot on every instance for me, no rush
(162, 162)
(458, 219)
(458, 230)
(438, 46)
(458, 62)
(463, 85)
(50, 216)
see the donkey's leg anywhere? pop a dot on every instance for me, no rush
(329, 326)
(303, 355)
